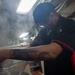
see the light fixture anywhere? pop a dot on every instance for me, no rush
(42, 26)
(32, 38)
(23, 35)
(25, 38)
(25, 6)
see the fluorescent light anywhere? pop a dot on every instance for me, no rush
(25, 6)
(32, 38)
(25, 38)
(23, 35)
(42, 26)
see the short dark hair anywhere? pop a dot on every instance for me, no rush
(42, 11)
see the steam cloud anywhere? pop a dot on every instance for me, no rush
(11, 23)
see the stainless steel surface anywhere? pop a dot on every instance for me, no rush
(13, 67)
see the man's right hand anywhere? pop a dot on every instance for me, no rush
(4, 54)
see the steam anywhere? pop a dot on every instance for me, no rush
(12, 24)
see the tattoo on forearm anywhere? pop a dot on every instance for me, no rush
(29, 55)
(44, 56)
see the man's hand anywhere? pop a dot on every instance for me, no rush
(4, 54)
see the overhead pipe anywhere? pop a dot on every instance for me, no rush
(60, 6)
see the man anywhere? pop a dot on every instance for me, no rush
(55, 45)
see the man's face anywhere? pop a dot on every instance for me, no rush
(51, 21)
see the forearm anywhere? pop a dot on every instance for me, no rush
(34, 53)
(44, 52)
(31, 54)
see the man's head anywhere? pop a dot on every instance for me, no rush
(43, 14)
